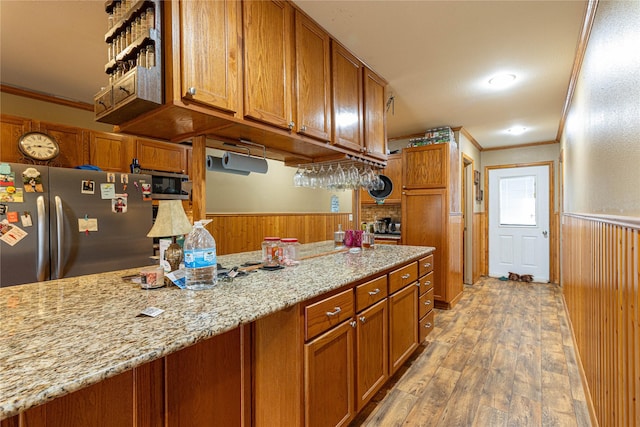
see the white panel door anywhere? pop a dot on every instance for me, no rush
(519, 222)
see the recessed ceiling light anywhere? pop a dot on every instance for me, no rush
(502, 80)
(517, 130)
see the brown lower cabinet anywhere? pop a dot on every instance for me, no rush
(295, 367)
(201, 385)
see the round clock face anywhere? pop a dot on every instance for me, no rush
(38, 146)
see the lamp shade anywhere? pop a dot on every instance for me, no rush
(171, 220)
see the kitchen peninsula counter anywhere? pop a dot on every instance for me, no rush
(63, 335)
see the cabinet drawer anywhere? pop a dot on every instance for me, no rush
(401, 277)
(425, 283)
(103, 101)
(321, 316)
(124, 89)
(425, 303)
(426, 325)
(371, 292)
(425, 265)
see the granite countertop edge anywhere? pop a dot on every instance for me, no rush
(52, 331)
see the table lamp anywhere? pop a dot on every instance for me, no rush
(171, 221)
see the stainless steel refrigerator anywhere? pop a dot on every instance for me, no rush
(76, 222)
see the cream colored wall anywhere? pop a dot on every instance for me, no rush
(47, 112)
(533, 154)
(270, 192)
(601, 140)
(468, 149)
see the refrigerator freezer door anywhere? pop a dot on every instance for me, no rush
(28, 260)
(121, 238)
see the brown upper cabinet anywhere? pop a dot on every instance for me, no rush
(268, 62)
(70, 139)
(110, 151)
(346, 80)
(375, 119)
(210, 53)
(313, 79)
(261, 71)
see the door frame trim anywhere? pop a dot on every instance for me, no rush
(554, 261)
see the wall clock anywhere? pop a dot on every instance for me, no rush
(38, 146)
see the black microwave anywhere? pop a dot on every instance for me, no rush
(168, 185)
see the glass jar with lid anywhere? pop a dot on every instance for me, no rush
(290, 251)
(271, 251)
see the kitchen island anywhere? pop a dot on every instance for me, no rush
(65, 335)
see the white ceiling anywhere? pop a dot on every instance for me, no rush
(436, 55)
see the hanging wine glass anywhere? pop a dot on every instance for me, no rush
(298, 178)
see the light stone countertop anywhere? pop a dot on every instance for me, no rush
(59, 336)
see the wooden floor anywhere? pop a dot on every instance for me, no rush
(502, 357)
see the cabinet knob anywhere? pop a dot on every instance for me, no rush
(191, 91)
(335, 312)
(363, 319)
(353, 323)
(376, 291)
(427, 325)
(292, 124)
(303, 128)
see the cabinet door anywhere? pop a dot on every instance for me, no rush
(268, 61)
(204, 383)
(375, 124)
(423, 224)
(70, 139)
(11, 129)
(107, 403)
(313, 79)
(161, 156)
(425, 167)
(110, 152)
(329, 377)
(403, 325)
(210, 54)
(346, 80)
(372, 352)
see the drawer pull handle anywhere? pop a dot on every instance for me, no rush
(125, 90)
(363, 319)
(376, 291)
(427, 265)
(427, 325)
(428, 282)
(427, 302)
(334, 312)
(406, 276)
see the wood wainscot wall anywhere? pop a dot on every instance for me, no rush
(244, 232)
(600, 275)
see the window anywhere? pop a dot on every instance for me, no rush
(518, 200)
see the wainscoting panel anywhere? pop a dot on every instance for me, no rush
(600, 274)
(245, 232)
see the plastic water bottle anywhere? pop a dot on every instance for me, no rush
(200, 261)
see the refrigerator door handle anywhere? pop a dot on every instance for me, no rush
(42, 249)
(60, 239)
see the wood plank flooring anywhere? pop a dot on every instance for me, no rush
(503, 356)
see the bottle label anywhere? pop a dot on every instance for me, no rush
(198, 258)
